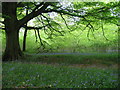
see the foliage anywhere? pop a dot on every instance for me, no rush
(60, 18)
(75, 41)
(91, 18)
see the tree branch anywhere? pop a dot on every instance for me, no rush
(37, 6)
(42, 24)
(51, 27)
(34, 27)
(33, 14)
(63, 12)
(64, 21)
(103, 32)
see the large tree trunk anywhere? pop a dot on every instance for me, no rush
(12, 50)
(12, 26)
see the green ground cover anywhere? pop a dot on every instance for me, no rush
(48, 73)
(94, 58)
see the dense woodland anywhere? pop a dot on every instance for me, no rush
(62, 34)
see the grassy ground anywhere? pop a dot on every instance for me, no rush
(62, 71)
(95, 59)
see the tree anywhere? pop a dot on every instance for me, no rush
(85, 12)
(12, 27)
(25, 33)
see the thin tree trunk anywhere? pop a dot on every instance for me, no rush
(25, 33)
(24, 40)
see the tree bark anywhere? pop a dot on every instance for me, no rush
(12, 50)
(24, 39)
(25, 33)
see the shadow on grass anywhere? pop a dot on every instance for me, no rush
(77, 60)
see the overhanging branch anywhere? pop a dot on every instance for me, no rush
(34, 27)
(63, 12)
(64, 21)
(51, 27)
(33, 14)
(37, 6)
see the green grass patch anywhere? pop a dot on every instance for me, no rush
(105, 59)
(22, 75)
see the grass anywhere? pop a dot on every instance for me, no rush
(104, 59)
(22, 75)
(61, 71)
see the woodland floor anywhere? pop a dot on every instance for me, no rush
(62, 71)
